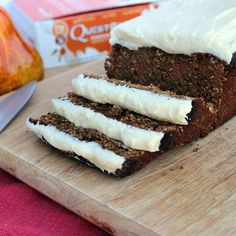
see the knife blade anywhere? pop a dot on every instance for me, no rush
(14, 103)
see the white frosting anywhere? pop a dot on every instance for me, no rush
(157, 106)
(92, 151)
(185, 27)
(131, 136)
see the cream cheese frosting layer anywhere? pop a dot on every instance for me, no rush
(183, 27)
(136, 138)
(157, 106)
(91, 151)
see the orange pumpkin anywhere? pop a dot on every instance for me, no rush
(19, 62)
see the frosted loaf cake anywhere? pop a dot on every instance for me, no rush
(185, 46)
(171, 79)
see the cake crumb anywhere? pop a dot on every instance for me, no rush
(196, 149)
(181, 167)
(171, 169)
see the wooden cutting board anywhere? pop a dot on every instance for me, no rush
(188, 191)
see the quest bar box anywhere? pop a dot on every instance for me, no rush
(73, 31)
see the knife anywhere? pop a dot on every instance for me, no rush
(14, 103)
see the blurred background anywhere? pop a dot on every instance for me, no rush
(72, 31)
(56, 37)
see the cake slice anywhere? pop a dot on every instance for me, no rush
(186, 47)
(146, 100)
(89, 146)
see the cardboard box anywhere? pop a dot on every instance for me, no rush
(73, 31)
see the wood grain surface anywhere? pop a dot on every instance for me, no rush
(188, 191)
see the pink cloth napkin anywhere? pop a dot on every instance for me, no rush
(26, 212)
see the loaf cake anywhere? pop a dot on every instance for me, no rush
(187, 47)
(171, 79)
(119, 127)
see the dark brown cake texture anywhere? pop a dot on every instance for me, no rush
(199, 75)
